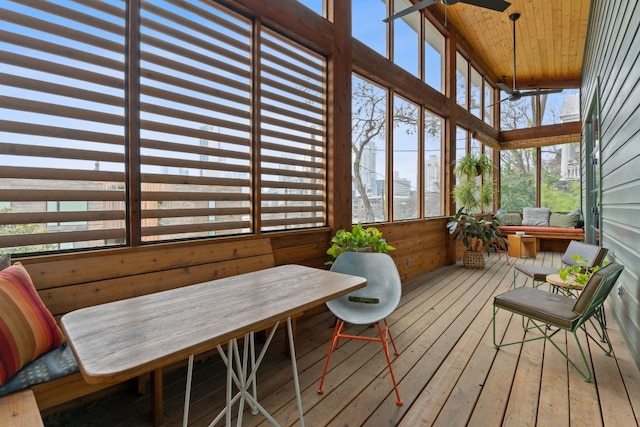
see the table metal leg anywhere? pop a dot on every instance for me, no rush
(187, 393)
(243, 376)
(294, 366)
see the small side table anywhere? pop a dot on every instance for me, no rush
(522, 246)
(559, 285)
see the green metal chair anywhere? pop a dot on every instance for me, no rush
(594, 254)
(551, 313)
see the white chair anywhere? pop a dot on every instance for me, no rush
(367, 306)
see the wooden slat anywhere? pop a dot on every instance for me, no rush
(202, 227)
(293, 162)
(61, 174)
(293, 173)
(58, 132)
(199, 149)
(60, 110)
(180, 196)
(58, 195)
(293, 185)
(60, 153)
(195, 164)
(44, 217)
(19, 409)
(169, 213)
(101, 235)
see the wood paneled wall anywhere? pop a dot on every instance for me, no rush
(612, 57)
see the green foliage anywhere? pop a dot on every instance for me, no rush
(560, 196)
(475, 231)
(517, 179)
(358, 239)
(15, 229)
(474, 187)
(580, 272)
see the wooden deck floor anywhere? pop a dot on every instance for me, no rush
(448, 371)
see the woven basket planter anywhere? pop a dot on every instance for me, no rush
(473, 260)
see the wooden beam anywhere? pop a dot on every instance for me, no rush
(339, 183)
(541, 136)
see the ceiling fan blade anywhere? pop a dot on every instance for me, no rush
(498, 102)
(503, 87)
(497, 5)
(540, 92)
(420, 5)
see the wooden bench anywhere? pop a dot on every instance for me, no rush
(67, 282)
(547, 238)
(20, 409)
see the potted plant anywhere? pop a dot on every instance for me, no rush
(359, 239)
(476, 233)
(474, 186)
(580, 272)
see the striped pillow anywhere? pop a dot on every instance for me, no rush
(27, 328)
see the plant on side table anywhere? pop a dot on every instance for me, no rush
(580, 272)
(476, 233)
(359, 239)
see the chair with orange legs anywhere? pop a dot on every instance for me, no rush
(370, 305)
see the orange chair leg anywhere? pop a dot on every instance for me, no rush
(388, 332)
(385, 346)
(385, 337)
(334, 344)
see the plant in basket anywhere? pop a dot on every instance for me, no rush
(476, 233)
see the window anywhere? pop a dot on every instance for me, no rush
(475, 146)
(405, 39)
(517, 179)
(462, 79)
(560, 107)
(316, 5)
(195, 123)
(405, 160)
(489, 100)
(433, 138)
(368, 139)
(371, 31)
(293, 136)
(191, 141)
(475, 93)
(461, 142)
(62, 107)
(434, 45)
(560, 177)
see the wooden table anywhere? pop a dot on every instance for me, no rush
(124, 339)
(565, 287)
(522, 246)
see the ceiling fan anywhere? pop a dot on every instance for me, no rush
(514, 94)
(498, 5)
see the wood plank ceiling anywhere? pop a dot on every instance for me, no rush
(550, 38)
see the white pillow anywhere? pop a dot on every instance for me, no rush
(536, 216)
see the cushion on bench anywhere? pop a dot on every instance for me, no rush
(27, 328)
(533, 229)
(56, 364)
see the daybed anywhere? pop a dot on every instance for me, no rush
(553, 231)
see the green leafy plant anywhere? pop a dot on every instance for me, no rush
(475, 231)
(359, 239)
(580, 272)
(474, 186)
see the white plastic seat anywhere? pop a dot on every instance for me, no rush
(370, 305)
